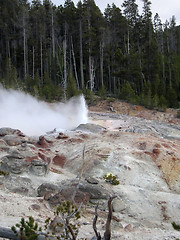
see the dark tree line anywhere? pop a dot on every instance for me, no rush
(53, 52)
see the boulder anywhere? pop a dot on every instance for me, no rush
(38, 168)
(20, 190)
(92, 180)
(7, 131)
(95, 191)
(89, 127)
(118, 205)
(13, 164)
(66, 194)
(47, 188)
(12, 140)
(19, 185)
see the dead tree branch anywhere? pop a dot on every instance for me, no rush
(98, 235)
(107, 234)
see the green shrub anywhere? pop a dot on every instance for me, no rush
(112, 179)
(72, 88)
(155, 101)
(28, 230)
(127, 92)
(162, 104)
(111, 99)
(176, 226)
(89, 96)
(3, 173)
(63, 227)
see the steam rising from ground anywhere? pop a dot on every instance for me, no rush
(22, 111)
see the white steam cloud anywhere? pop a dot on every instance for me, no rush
(22, 111)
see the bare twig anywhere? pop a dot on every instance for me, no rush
(98, 235)
(74, 213)
(70, 229)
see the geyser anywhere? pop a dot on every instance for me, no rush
(21, 111)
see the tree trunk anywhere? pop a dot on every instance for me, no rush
(65, 63)
(114, 84)
(162, 55)
(24, 44)
(91, 62)
(41, 61)
(128, 44)
(101, 62)
(109, 76)
(74, 63)
(91, 72)
(81, 54)
(33, 63)
(8, 49)
(53, 38)
(169, 62)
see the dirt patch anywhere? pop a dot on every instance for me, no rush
(121, 107)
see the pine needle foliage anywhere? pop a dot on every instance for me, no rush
(28, 230)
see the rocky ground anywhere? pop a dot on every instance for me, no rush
(141, 147)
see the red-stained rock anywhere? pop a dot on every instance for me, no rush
(156, 151)
(84, 136)
(128, 228)
(42, 142)
(55, 170)
(2, 143)
(62, 136)
(19, 133)
(45, 150)
(166, 145)
(157, 145)
(75, 140)
(30, 159)
(59, 160)
(44, 158)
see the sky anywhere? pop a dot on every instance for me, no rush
(165, 8)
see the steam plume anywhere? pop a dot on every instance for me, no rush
(21, 111)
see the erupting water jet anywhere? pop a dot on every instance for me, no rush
(33, 117)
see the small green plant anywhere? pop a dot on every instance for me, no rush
(61, 225)
(28, 230)
(112, 179)
(111, 99)
(3, 173)
(176, 226)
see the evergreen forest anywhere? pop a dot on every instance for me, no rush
(55, 52)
